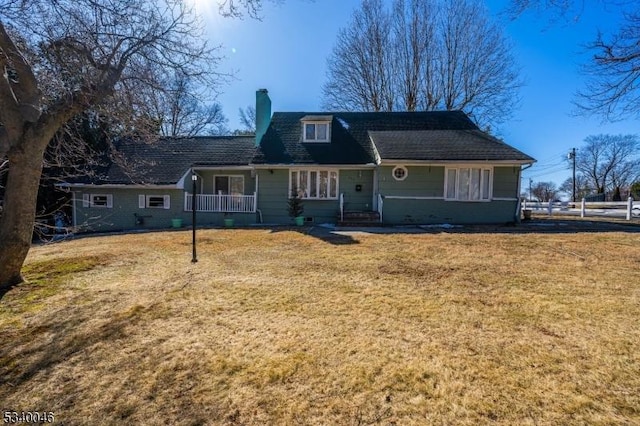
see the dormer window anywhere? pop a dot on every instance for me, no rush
(316, 128)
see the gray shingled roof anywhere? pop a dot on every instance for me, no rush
(166, 160)
(444, 145)
(350, 142)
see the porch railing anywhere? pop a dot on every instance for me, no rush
(221, 203)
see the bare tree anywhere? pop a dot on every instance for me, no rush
(612, 90)
(248, 119)
(416, 49)
(61, 58)
(360, 64)
(545, 191)
(613, 86)
(423, 54)
(558, 9)
(181, 109)
(237, 8)
(582, 187)
(609, 162)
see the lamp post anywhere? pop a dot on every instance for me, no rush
(194, 180)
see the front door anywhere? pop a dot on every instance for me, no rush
(222, 185)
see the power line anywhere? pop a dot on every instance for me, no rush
(546, 173)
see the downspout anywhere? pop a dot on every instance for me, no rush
(73, 210)
(255, 201)
(517, 213)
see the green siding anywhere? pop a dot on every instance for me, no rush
(125, 208)
(356, 200)
(439, 211)
(505, 182)
(428, 181)
(273, 195)
(273, 200)
(421, 181)
(273, 186)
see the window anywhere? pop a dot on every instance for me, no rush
(400, 173)
(228, 185)
(154, 201)
(468, 184)
(314, 184)
(316, 132)
(104, 201)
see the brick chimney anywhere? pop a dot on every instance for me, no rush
(263, 113)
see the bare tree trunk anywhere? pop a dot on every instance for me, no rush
(16, 223)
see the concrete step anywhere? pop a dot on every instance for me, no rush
(360, 218)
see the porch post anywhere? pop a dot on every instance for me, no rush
(255, 193)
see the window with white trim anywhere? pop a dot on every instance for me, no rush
(467, 184)
(102, 201)
(314, 184)
(228, 185)
(400, 172)
(154, 201)
(316, 131)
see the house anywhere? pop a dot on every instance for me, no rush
(388, 167)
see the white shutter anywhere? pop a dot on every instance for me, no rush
(85, 200)
(167, 202)
(141, 201)
(109, 201)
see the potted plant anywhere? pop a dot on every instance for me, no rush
(228, 220)
(296, 208)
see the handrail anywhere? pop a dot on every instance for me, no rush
(219, 203)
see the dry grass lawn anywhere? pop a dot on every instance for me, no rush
(281, 327)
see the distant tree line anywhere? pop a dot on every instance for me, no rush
(607, 167)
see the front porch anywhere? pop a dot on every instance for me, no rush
(220, 203)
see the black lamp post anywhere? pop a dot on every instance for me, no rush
(194, 179)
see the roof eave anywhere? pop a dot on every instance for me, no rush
(117, 185)
(394, 161)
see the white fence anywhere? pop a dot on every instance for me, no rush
(622, 209)
(221, 203)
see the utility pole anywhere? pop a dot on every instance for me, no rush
(530, 193)
(572, 156)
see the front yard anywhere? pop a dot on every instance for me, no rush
(281, 327)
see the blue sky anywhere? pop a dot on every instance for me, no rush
(286, 53)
